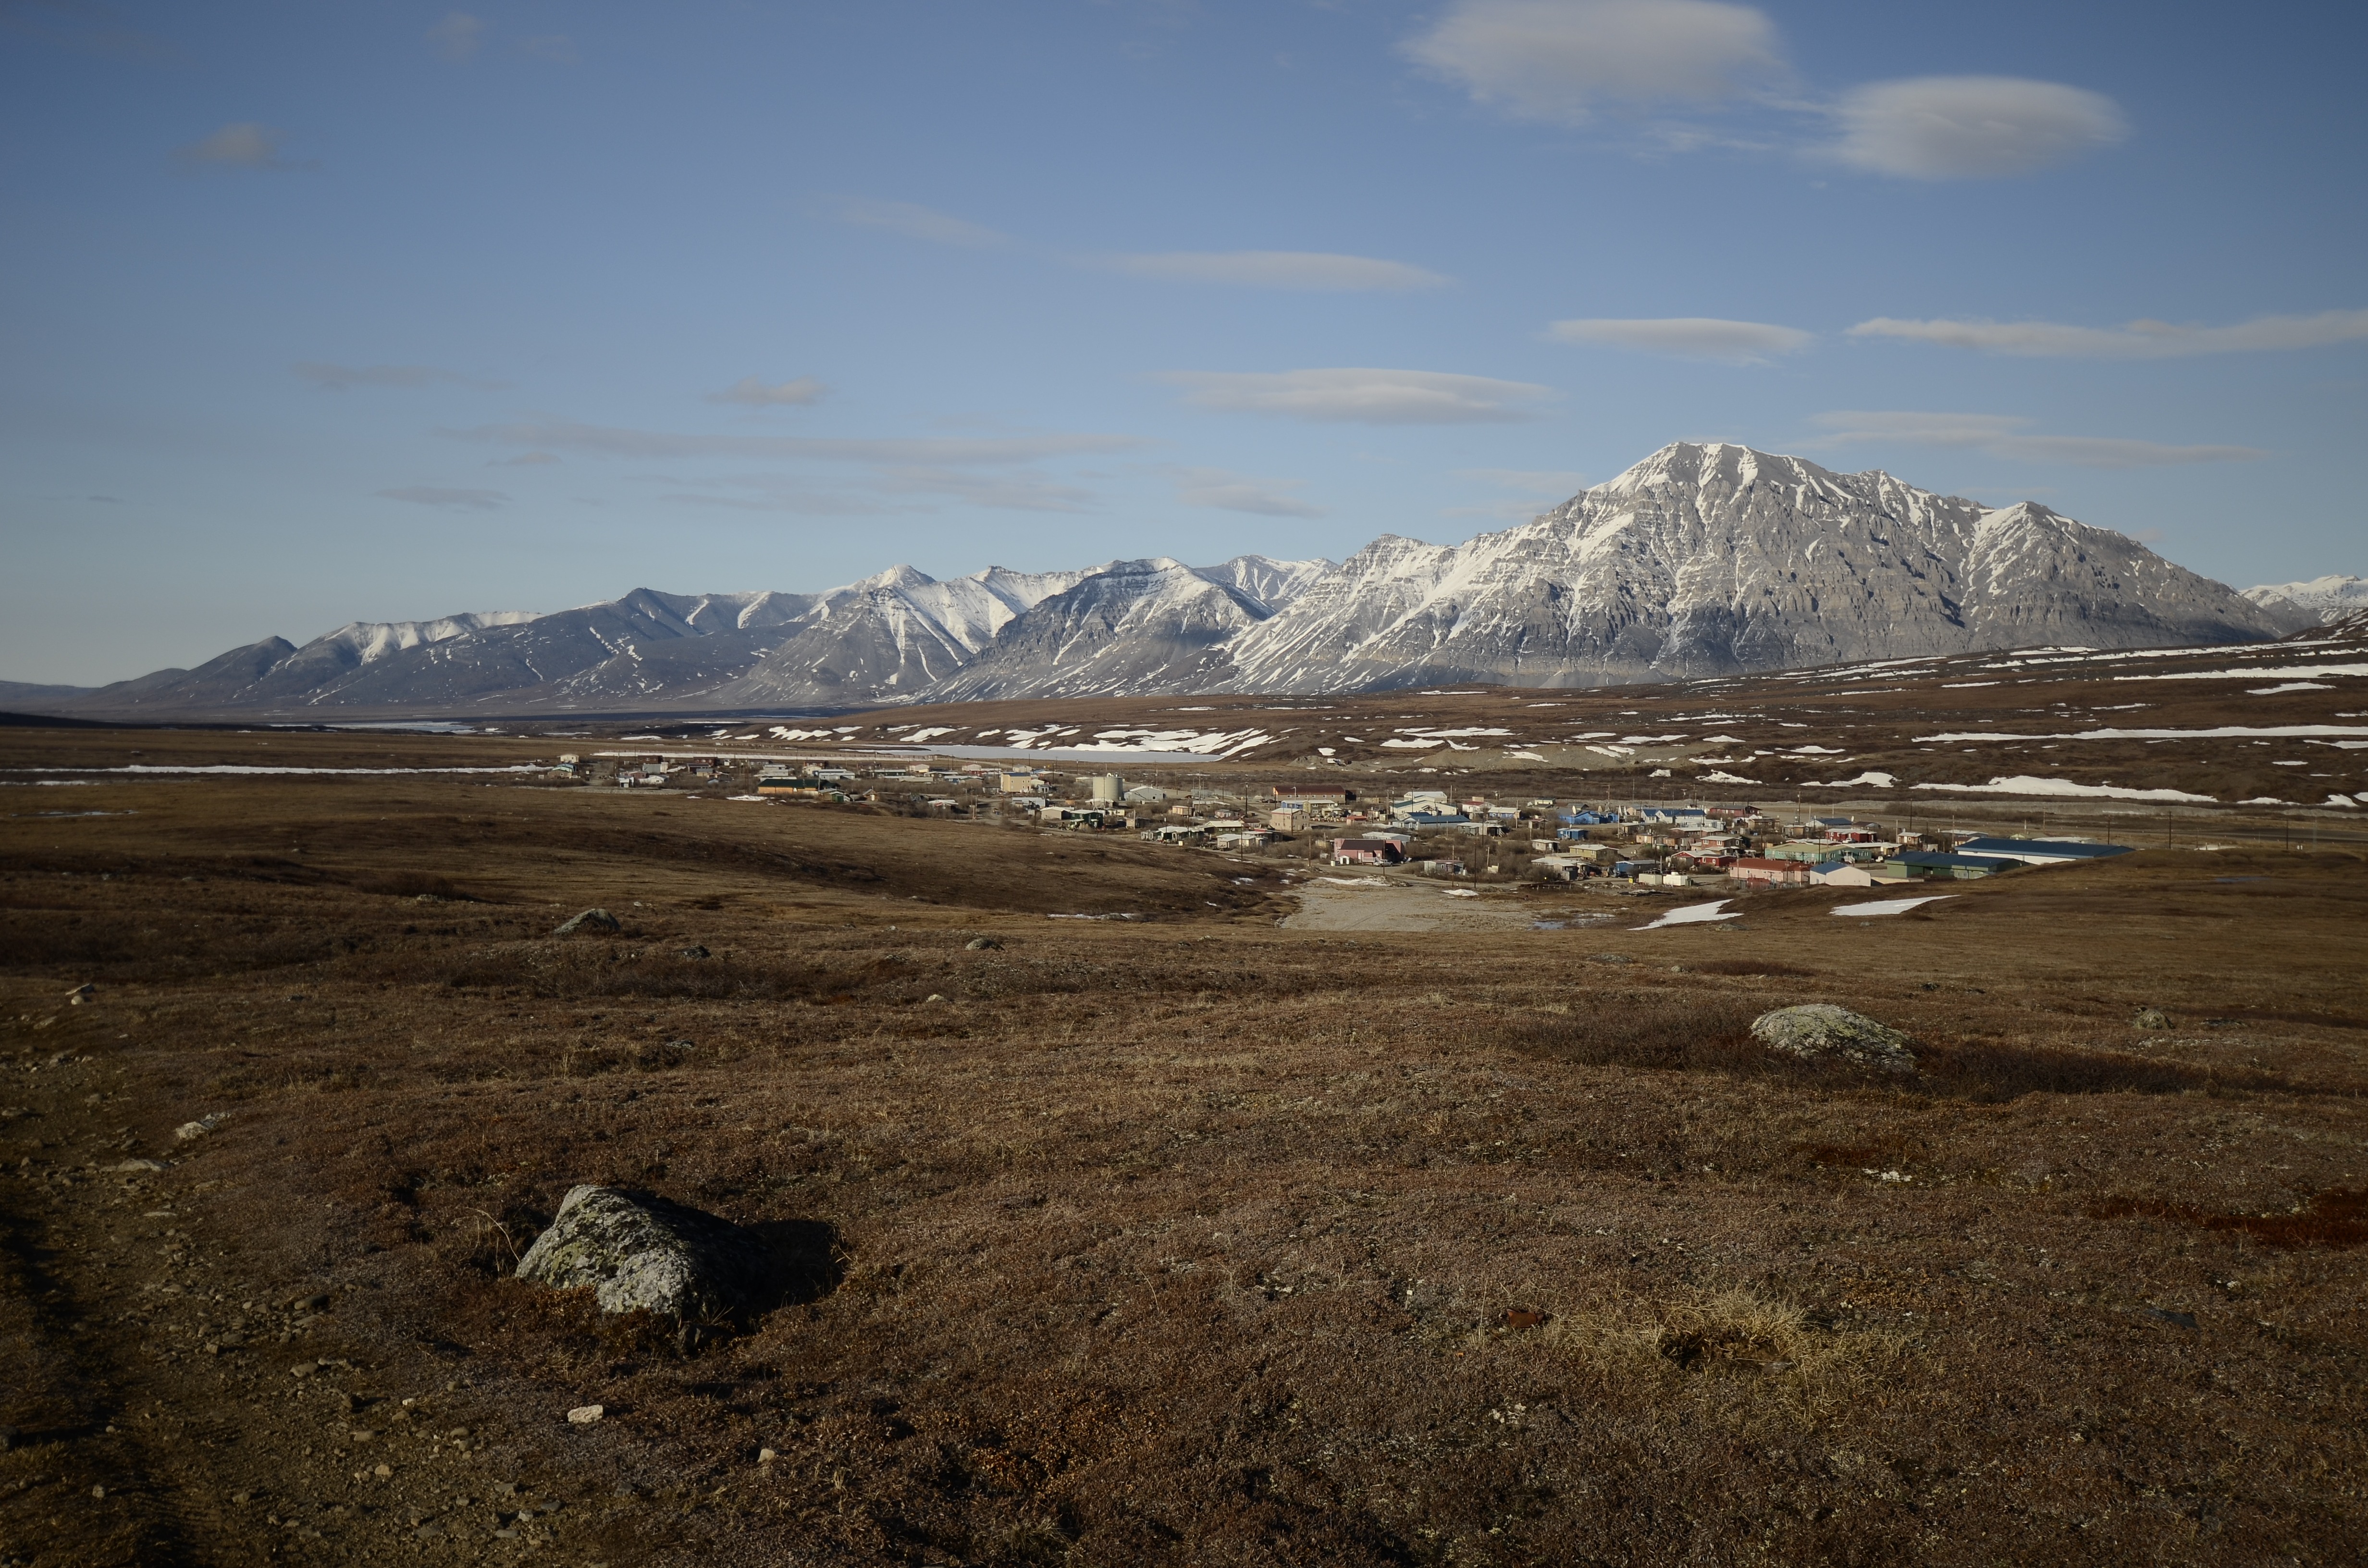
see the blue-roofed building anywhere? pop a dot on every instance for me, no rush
(2039, 851)
(1433, 819)
(1930, 865)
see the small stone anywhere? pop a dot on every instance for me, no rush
(1821, 1030)
(980, 945)
(98, 1491)
(242, 1497)
(584, 1414)
(590, 920)
(2151, 1018)
(316, 1302)
(766, 1456)
(932, 997)
(190, 1132)
(80, 994)
(141, 1165)
(695, 951)
(383, 1471)
(303, 1369)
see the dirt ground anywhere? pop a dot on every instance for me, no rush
(1191, 1238)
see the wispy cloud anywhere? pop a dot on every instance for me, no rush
(2009, 436)
(1565, 61)
(555, 49)
(1686, 337)
(916, 223)
(614, 442)
(458, 35)
(1531, 491)
(524, 459)
(1225, 491)
(754, 393)
(1972, 127)
(345, 377)
(457, 500)
(1312, 270)
(1558, 60)
(1362, 397)
(2133, 340)
(243, 144)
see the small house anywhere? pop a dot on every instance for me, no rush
(1366, 852)
(1760, 870)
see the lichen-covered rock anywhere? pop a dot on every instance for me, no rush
(590, 920)
(1820, 1030)
(649, 1254)
(2150, 1018)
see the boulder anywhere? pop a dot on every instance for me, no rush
(980, 945)
(647, 1254)
(2150, 1018)
(590, 920)
(1821, 1030)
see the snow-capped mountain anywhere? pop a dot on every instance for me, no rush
(1702, 560)
(880, 639)
(1715, 559)
(1132, 626)
(2320, 601)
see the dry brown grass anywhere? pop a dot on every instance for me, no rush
(1186, 1241)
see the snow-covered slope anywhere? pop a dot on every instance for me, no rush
(1713, 560)
(1131, 626)
(887, 637)
(2320, 601)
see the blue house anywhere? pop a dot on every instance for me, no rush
(2039, 851)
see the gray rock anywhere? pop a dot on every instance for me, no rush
(1821, 1030)
(647, 1254)
(980, 945)
(590, 920)
(2151, 1018)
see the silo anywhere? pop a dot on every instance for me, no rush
(1108, 789)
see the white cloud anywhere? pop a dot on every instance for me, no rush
(240, 145)
(1002, 492)
(438, 495)
(1972, 127)
(1279, 269)
(1554, 60)
(458, 35)
(1687, 338)
(345, 377)
(917, 223)
(1532, 491)
(2008, 435)
(604, 440)
(756, 394)
(1221, 490)
(1361, 396)
(2133, 340)
(1559, 482)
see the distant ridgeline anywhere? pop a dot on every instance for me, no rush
(1700, 560)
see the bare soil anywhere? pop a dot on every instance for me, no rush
(1194, 1238)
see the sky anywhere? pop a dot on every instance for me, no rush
(317, 311)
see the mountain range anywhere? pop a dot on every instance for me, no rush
(1702, 560)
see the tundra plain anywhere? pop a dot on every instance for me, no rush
(1194, 1238)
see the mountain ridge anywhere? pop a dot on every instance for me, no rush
(1703, 559)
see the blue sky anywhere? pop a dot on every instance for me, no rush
(318, 312)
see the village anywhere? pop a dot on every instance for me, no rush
(1417, 833)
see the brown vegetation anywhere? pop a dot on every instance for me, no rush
(1188, 1239)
